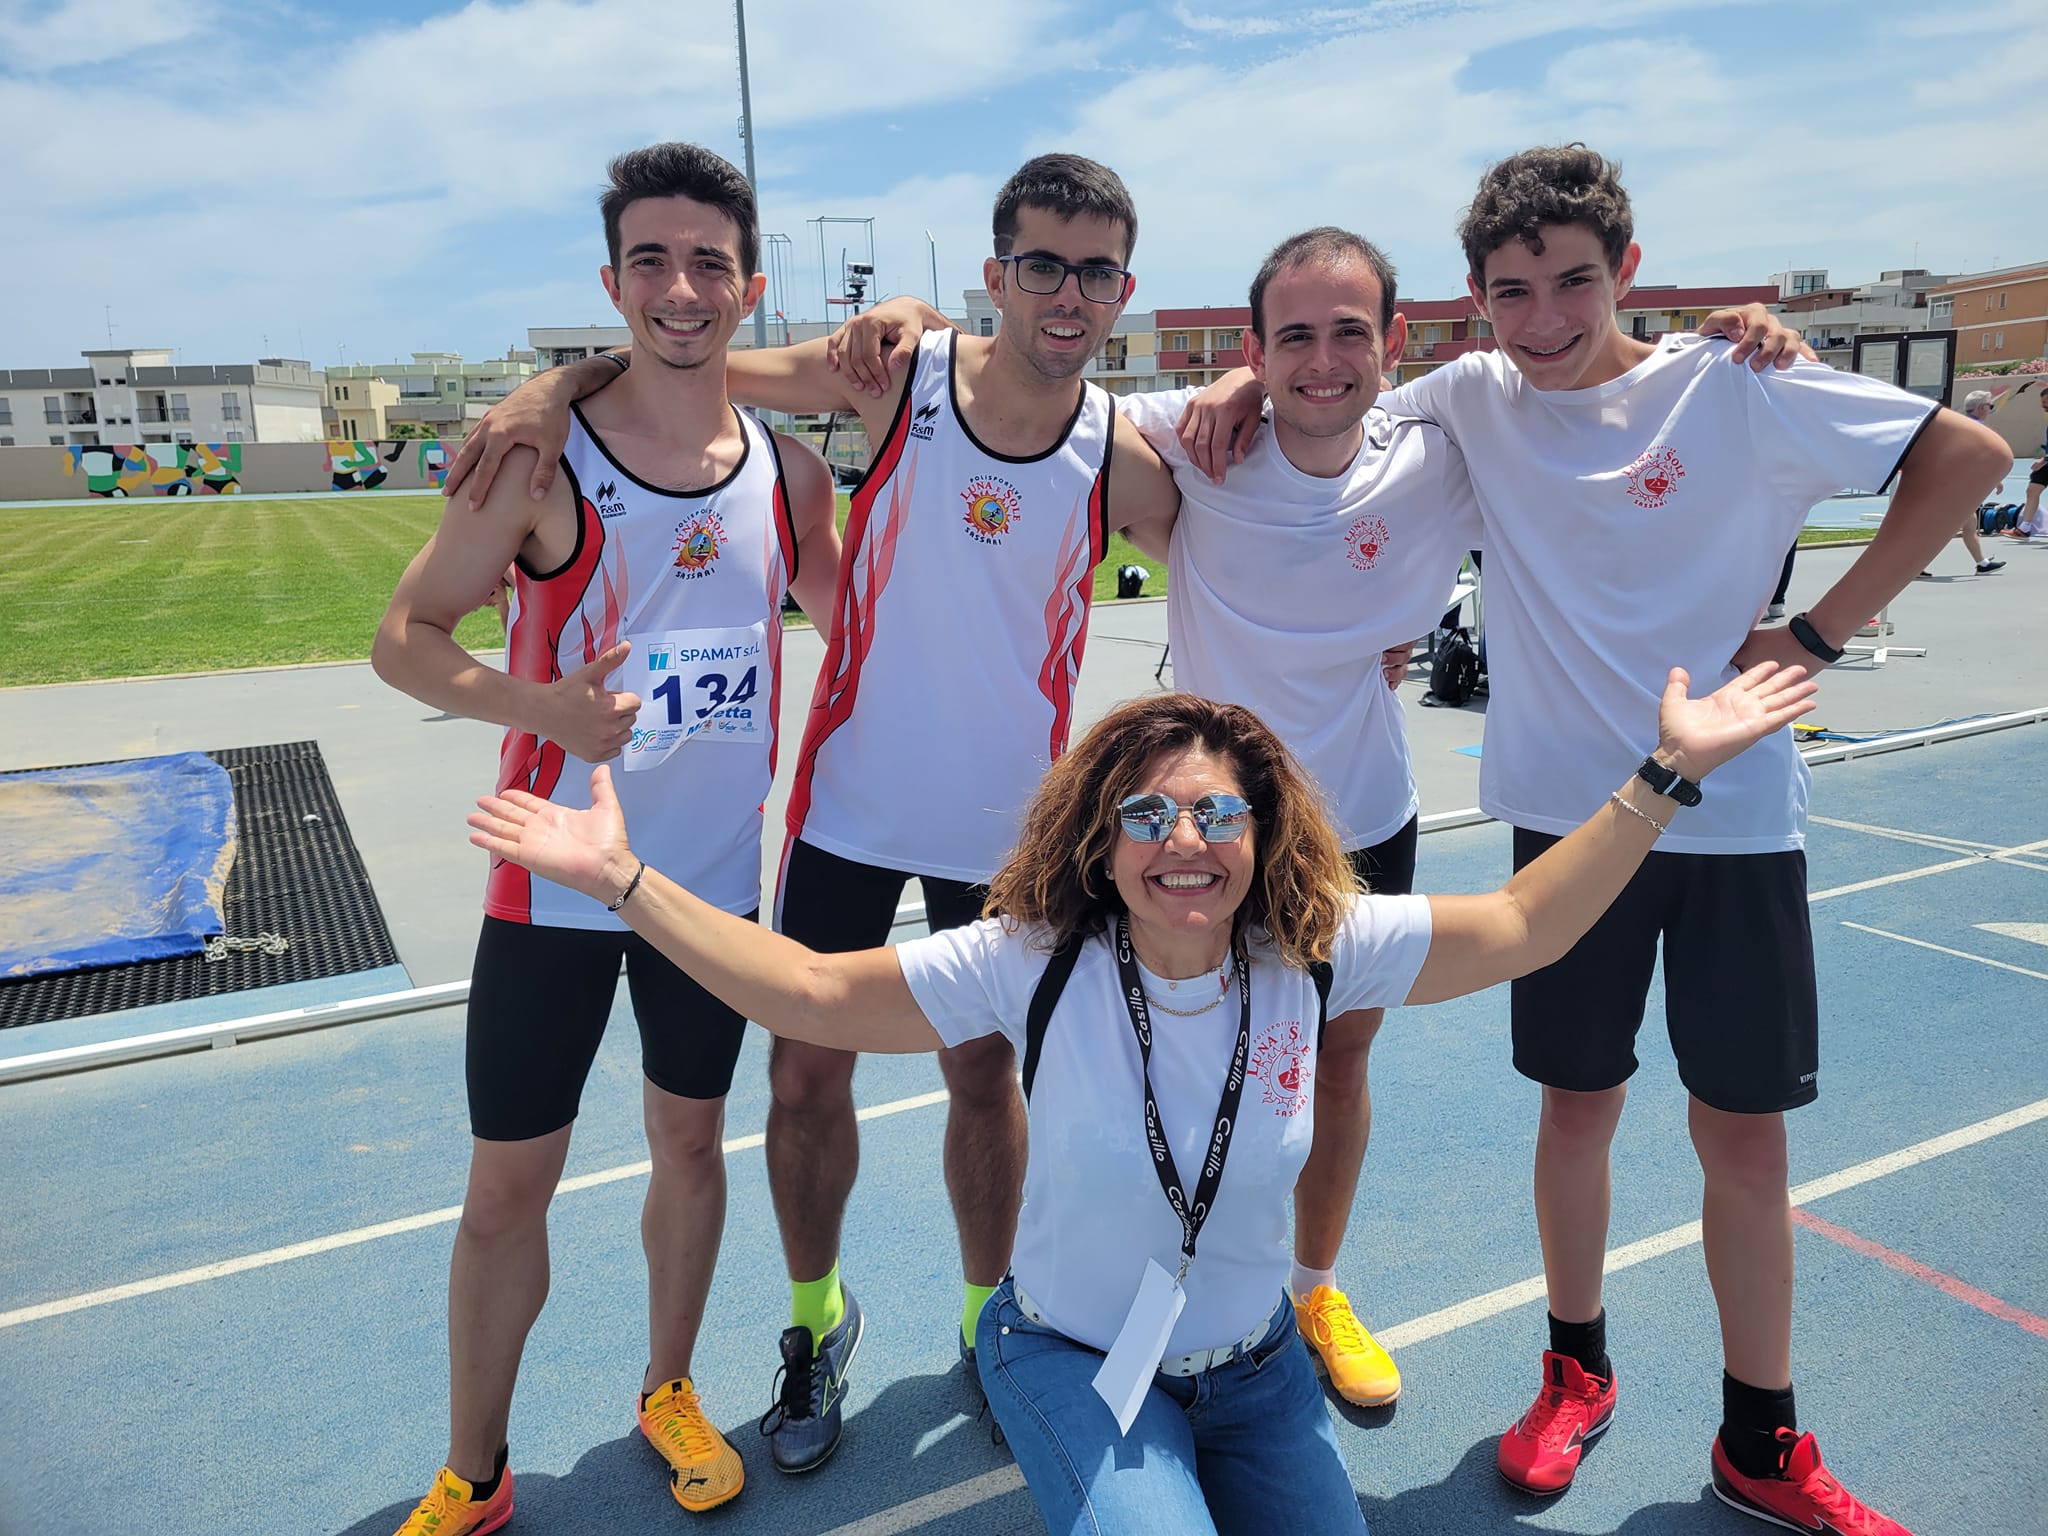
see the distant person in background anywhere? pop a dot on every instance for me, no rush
(1977, 405)
(1776, 610)
(2030, 520)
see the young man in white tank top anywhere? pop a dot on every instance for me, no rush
(956, 636)
(645, 613)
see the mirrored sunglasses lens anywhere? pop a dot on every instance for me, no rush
(1148, 818)
(1222, 818)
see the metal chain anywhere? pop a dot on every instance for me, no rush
(222, 945)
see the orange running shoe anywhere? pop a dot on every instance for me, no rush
(704, 1471)
(1360, 1370)
(450, 1508)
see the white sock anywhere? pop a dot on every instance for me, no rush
(1304, 1280)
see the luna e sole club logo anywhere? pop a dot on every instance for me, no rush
(993, 508)
(698, 543)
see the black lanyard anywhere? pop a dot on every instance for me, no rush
(1191, 1216)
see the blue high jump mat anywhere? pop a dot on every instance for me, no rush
(118, 874)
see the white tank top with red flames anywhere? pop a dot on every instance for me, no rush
(695, 580)
(956, 638)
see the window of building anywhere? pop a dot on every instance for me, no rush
(1177, 342)
(53, 410)
(1225, 340)
(56, 440)
(230, 406)
(988, 326)
(1688, 322)
(6, 442)
(180, 411)
(2001, 341)
(184, 439)
(232, 434)
(341, 391)
(2001, 301)
(6, 413)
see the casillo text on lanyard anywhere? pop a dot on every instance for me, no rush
(1128, 1369)
(1191, 1216)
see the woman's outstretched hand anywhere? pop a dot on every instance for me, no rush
(584, 850)
(1696, 736)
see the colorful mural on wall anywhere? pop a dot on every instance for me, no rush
(358, 466)
(434, 462)
(158, 469)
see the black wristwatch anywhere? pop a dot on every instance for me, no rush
(1668, 782)
(1804, 632)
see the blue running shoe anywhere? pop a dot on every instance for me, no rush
(804, 1423)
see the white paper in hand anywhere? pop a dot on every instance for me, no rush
(1133, 1360)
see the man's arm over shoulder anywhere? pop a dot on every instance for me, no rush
(802, 381)
(535, 415)
(814, 515)
(1143, 500)
(415, 648)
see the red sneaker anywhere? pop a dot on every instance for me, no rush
(1541, 1452)
(1804, 1496)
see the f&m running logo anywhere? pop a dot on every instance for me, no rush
(993, 508)
(924, 422)
(699, 542)
(608, 502)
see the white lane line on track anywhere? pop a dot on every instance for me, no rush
(1899, 834)
(1943, 949)
(1998, 856)
(935, 1506)
(382, 1229)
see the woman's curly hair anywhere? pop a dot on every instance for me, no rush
(1058, 875)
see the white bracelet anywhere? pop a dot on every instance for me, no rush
(1635, 810)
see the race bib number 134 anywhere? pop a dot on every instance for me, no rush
(696, 682)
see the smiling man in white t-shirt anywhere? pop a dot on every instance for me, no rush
(1637, 498)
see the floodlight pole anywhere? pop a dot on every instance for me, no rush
(928, 240)
(747, 138)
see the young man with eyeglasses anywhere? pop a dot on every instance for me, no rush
(955, 642)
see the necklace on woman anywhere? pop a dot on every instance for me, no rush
(1222, 987)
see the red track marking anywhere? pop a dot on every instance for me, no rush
(1982, 1301)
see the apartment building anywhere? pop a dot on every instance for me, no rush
(437, 394)
(1833, 317)
(1998, 317)
(137, 395)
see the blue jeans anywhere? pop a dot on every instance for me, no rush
(1247, 1447)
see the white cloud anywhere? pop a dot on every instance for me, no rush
(35, 40)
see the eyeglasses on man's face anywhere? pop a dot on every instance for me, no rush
(1048, 274)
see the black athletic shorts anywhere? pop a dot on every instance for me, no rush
(1739, 996)
(2039, 476)
(834, 904)
(538, 1001)
(1388, 867)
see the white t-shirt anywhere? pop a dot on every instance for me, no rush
(1284, 588)
(1636, 526)
(1093, 1209)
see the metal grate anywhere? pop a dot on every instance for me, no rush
(296, 873)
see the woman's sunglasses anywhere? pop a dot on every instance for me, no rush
(1152, 818)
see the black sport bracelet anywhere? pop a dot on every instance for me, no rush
(1669, 782)
(1804, 632)
(613, 357)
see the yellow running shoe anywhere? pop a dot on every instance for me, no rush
(704, 1471)
(450, 1509)
(1358, 1368)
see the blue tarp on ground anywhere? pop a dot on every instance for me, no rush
(112, 864)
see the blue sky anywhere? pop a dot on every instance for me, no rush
(357, 183)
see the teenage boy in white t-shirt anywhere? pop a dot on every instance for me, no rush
(1638, 497)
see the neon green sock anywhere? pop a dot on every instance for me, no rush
(817, 1305)
(970, 1313)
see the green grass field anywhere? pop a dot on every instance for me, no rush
(137, 587)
